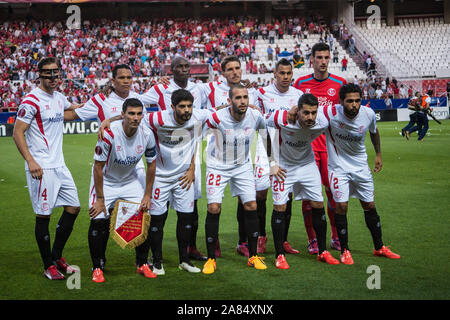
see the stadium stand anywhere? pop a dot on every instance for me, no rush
(417, 47)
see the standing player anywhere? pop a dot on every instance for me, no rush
(229, 162)
(161, 95)
(277, 96)
(177, 131)
(297, 170)
(325, 86)
(349, 173)
(116, 157)
(217, 95)
(50, 184)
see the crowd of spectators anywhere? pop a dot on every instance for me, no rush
(89, 53)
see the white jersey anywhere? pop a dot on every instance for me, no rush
(345, 138)
(122, 153)
(100, 107)
(216, 94)
(294, 146)
(176, 143)
(45, 114)
(269, 100)
(233, 139)
(160, 94)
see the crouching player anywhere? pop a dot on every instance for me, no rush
(116, 157)
(296, 170)
(177, 131)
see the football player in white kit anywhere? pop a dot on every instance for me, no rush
(161, 95)
(177, 131)
(50, 184)
(228, 162)
(296, 171)
(348, 171)
(116, 157)
(217, 94)
(103, 107)
(277, 96)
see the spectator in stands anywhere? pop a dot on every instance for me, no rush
(351, 44)
(388, 102)
(368, 62)
(336, 55)
(272, 36)
(372, 91)
(344, 63)
(269, 53)
(379, 92)
(403, 92)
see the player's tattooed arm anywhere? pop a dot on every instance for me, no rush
(375, 138)
(106, 124)
(189, 176)
(20, 128)
(99, 204)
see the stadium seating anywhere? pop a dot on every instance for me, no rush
(417, 47)
(289, 42)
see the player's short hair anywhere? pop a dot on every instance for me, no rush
(309, 99)
(320, 46)
(233, 87)
(176, 61)
(131, 102)
(349, 88)
(46, 61)
(228, 60)
(283, 62)
(118, 67)
(181, 95)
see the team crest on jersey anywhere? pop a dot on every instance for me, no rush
(247, 131)
(21, 113)
(277, 196)
(361, 129)
(341, 125)
(118, 148)
(338, 194)
(272, 100)
(47, 107)
(211, 191)
(139, 149)
(45, 206)
(331, 92)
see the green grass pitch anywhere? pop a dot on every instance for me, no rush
(412, 198)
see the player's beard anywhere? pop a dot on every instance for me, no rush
(240, 109)
(352, 113)
(184, 116)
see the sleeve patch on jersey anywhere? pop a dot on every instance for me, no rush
(21, 113)
(98, 151)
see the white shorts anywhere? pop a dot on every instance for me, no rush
(56, 188)
(262, 168)
(165, 190)
(241, 180)
(358, 184)
(304, 181)
(112, 192)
